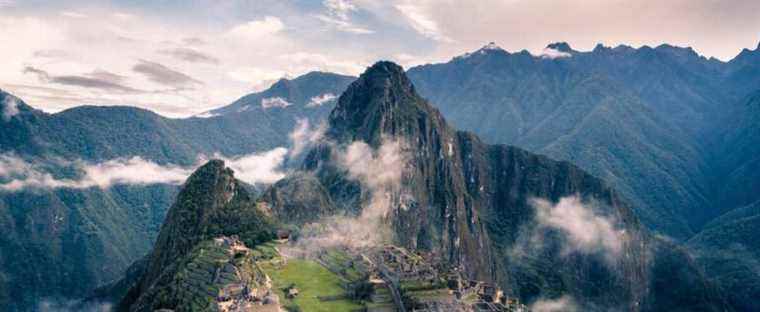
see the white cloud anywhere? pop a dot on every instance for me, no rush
(549, 53)
(338, 15)
(258, 168)
(380, 172)
(274, 102)
(562, 304)
(205, 115)
(10, 108)
(73, 14)
(304, 136)
(259, 78)
(134, 170)
(18, 174)
(257, 29)
(421, 21)
(321, 99)
(21, 174)
(585, 230)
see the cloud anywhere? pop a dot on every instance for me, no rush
(304, 136)
(274, 102)
(338, 16)
(258, 168)
(10, 109)
(549, 53)
(161, 74)
(18, 174)
(134, 170)
(585, 231)
(379, 172)
(321, 99)
(562, 304)
(53, 305)
(21, 174)
(7, 3)
(258, 77)
(97, 79)
(208, 114)
(257, 29)
(72, 14)
(190, 55)
(421, 21)
(52, 53)
(193, 41)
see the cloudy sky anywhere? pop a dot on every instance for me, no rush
(182, 57)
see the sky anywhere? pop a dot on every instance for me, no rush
(184, 57)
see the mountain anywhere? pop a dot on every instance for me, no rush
(212, 203)
(61, 243)
(646, 120)
(727, 249)
(473, 204)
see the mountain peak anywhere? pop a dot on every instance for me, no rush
(381, 102)
(561, 46)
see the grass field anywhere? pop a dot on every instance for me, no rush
(312, 280)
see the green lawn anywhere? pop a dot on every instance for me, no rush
(311, 280)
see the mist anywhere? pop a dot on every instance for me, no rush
(303, 136)
(562, 304)
(379, 172)
(584, 230)
(17, 173)
(10, 108)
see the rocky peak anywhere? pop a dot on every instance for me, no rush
(381, 102)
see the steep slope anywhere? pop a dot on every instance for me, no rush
(645, 120)
(472, 203)
(211, 204)
(728, 249)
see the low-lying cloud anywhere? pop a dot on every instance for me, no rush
(585, 231)
(10, 108)
(63, 305)
(562, 304)
(18, 174)
(304, 136)
(274, 102)
(318, 100)
(21, 174)
(550, 53)
(379, 172)
(258, 168)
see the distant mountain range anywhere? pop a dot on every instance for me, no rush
(675, 133)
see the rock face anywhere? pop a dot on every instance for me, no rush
(212, 203)
(472, 203)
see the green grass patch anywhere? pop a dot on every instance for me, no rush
(312, 281)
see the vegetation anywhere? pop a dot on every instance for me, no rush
(313, 282)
